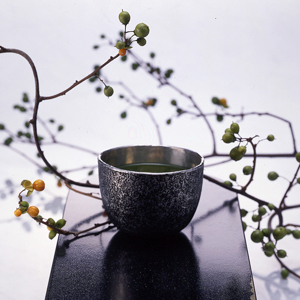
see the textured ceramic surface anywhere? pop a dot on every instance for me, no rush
(150, 203)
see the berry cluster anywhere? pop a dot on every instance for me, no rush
(33, 211)
(141, 31)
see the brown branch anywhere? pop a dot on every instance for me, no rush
(80, 192)
(39, 99)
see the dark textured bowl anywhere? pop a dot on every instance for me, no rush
(149, 203)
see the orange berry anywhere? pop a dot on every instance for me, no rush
(122, 52)
(39, 185)
(223, 102)
(18, 212)
(33, 211)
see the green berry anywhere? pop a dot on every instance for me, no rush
(52, 234)
(235, 127)
(2, 126)
(266, 232)
(279, 233)
(296, 234)
(123, 114)
(108, 91)
(228, 138)
(169, 121)
(232, 176)
(228, 130)
(174, 102)
(120, 45)
(262, 211)
(281, 253)
(284, 273)
(298, 157)
(244, 212)
(141, 41)
(219, 118)
(247, 170)
(271, 206)
(215, 100)
(269, 253)
(256, 218)
(124, 17)
(298, 180)
(60, 223)
(242, 149)
(270, 137)
(235, 154)
(244, 226)
(269, 246)
(141, 30)
(257, 236)
(272, 176)
(228, 183)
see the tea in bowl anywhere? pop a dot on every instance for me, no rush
(150, 190)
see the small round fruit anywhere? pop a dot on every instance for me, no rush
(52, 234)
(232, 176)
(244, 225)
(141, 30)
(279, 233)
(266, 232)
(228, 130)
(235, 127)
(122, 52)
(18, 212)
(262, 211)
(296, 234)
(235, 154)
(228, 138)
(108, 91)
(269, 246)
(298, 157)
(228, 183)
(215, 100)
(120, 45)
(247, 170)
(39, 185)
(141, 41)
(244, 212)
(220, 118)
(223, 102)
(281, 253)
(124, 17)
(284, 273)
(271, 206)
(257, 236)
(269, 253)
(242, 149)
(270, 137)
(33, 211)
(298, 180)
(272, 176)
(256, 218)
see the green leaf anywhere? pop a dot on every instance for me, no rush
(51, 120)
(123, 114)
(27, 124)
(152, 54)
(90, 172)
(60, 128)
(2, 126)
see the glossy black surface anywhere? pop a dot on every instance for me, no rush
(207, 260)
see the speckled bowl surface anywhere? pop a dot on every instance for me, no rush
(147, 203)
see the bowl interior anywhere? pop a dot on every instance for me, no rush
(134, 155)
